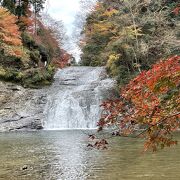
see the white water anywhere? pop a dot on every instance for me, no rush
(75, 97)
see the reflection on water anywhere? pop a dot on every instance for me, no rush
(63, 155)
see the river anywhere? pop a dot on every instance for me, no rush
(63, 155)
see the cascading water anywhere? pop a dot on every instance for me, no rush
(75, 97)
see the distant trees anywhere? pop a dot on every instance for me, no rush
(38, 5)
(57, 28)
(86, 7)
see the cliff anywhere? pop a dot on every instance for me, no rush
(20, 108)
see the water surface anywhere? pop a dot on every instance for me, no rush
(63, 155)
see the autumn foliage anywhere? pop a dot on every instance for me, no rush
(62, 60)
(176, 11)
(9, 34)
(28, 48)
(149, 106)
(59, 57)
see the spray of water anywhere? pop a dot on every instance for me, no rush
(75, 97)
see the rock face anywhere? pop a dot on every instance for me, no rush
(73, 101)
(20, 108)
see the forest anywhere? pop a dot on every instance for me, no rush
(30, 47)
(139, 43)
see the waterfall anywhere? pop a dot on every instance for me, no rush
(74, 98)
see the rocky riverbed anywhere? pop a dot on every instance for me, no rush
(20, 108)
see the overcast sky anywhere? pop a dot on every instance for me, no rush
(64, 10)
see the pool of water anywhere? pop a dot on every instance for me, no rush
(63, 155)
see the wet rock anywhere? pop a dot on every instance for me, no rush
(25, 167)
(20, 108)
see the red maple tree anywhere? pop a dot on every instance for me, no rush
(149, 106)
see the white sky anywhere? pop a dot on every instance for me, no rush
(64, 10)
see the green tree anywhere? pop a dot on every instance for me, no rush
(129, 36)
(17, 7)
(22, 8)
(38, 5)
(10, 5)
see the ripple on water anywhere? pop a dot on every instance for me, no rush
(64, 155)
